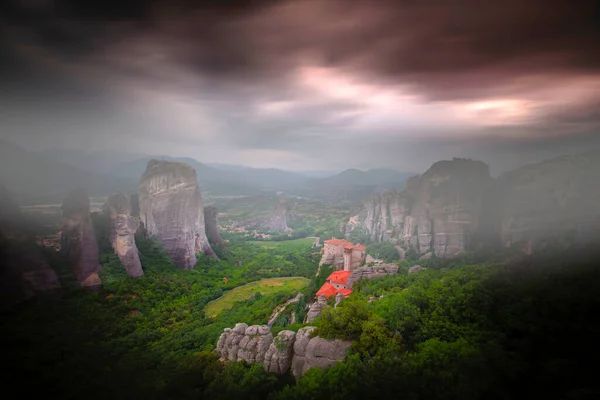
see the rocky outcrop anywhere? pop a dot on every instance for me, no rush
(376, 271)
(300, 352)
(78, 239)
(315, 308)
(172, 212)
(211, 222)
(278, 358)
(122, 229)
(551, 204)
(448, 207)
(243, 342)
(414, 269)
(316, 352)
(439, 211)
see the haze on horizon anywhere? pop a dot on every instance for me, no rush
(304, 85)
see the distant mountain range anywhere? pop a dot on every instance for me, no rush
(53, 173)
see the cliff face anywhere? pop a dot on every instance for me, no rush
(552, 203)
(438, 211)
(122, 233)
(448, 207)
(78, 239)
(171, 210)
(256, 344)
(455, 206)
(211, 221)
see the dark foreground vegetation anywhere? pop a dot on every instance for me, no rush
(452, 331)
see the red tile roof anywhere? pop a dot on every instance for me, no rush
(328, 290)
(340, 277)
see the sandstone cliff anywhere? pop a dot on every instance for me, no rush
(78, 239)
(439, 211)
(552, 203)
(171, 210)
(300, 352)
(455, 206)
(211, 221)
(122, 229)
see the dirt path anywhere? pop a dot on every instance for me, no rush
(280, 308)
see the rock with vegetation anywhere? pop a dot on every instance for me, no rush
(171, 210)
(315, 308)
(122, 229)
(278, 357)
(414, 269)
(317, 352)
(78, 239)
(243, 342)
(275, 221)
(376, 271)
(300, 352)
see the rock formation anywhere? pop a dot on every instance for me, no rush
(414, 269)
(456, 206)
(315, 308)
(243, 342)
(278, 358)
(300, 352)
(316, 352)
(439, 211)
(276, 221)
(172, 212)
(78, 239)
(122, 229)
(548, 204)
(211, 221)
(376, 271)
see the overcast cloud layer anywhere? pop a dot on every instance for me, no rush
(304, 84)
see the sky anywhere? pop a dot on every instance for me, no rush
(304, 85)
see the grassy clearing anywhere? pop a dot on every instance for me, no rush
(295, 244)
(264, 286)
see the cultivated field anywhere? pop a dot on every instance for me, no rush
(264, 286)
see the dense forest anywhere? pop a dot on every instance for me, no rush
(455, 330)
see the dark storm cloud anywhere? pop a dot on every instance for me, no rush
(242, 62)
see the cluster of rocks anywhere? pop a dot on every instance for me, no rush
(298, 351)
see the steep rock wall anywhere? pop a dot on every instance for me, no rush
(171, 210)
(78, 239)
(439, 211)
(122, 229)
(448, 207)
